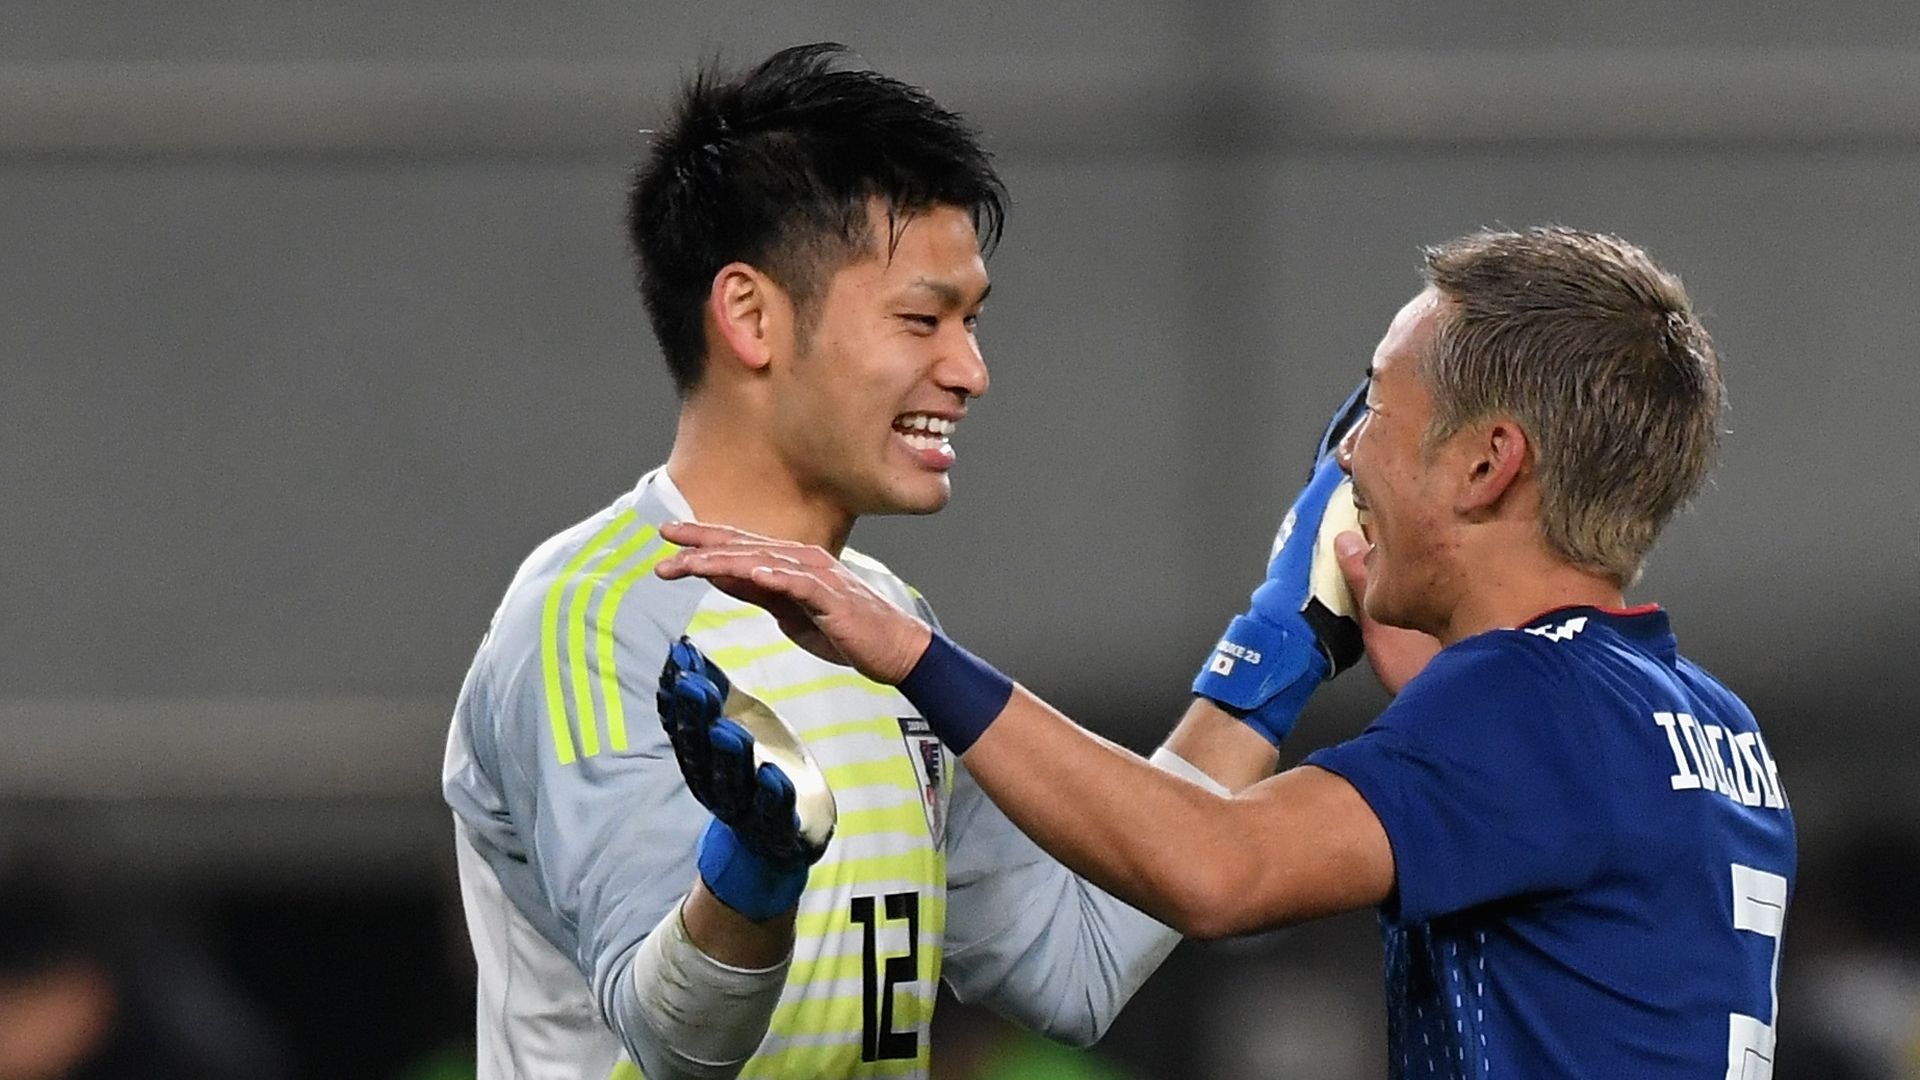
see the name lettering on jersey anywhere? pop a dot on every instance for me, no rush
(1226, 652)
(1708, 757)
(1564, 632)
(929, 766)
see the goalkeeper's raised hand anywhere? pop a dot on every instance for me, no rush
(753, 856)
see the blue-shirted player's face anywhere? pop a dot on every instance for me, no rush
(1399, 484)
(866, 407)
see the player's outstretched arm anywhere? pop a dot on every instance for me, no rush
(1296, 846)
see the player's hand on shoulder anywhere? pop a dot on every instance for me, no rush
(821, 604)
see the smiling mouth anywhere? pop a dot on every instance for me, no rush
(924, 431)
(1363, 514)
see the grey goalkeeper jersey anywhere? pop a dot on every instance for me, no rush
(576, 835)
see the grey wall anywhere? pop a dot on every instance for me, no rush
(316, 320)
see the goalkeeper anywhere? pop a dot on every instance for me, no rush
(667, 900)
(1576, 839)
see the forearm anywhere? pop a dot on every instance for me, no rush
(1293, 846)
(730, 937)
(1166, 845)
(686, 1014)
(1222, 747)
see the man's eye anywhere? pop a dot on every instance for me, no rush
(972, 322)
(923, 322)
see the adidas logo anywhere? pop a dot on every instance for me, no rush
(1563, 632)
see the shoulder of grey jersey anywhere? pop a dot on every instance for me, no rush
(1029, 938)
(888, 584)
(557, 709)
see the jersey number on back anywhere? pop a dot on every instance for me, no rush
(879, 1042)
(1759, 907)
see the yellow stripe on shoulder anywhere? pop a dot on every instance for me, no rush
(567, 669)
(605, 620)
(587, 722)
(563, 746)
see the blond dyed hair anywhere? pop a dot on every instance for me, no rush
(1595, 351)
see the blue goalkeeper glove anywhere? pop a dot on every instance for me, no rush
(1299, 630)
(754, 855)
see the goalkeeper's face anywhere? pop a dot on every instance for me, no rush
(867, 406)
(1399, 482)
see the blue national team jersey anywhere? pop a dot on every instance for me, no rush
(1592, 853)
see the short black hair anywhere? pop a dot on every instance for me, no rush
(775, 168)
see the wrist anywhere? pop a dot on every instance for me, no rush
(957, 693)
(914, 651)
(744, 880)
(1262, 671)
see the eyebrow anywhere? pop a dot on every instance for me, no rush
(948, 293)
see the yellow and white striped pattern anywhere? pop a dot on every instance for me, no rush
(883, 845)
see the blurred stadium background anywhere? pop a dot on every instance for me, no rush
(319, 316)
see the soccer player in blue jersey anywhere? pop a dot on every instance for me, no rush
(641, 899)
(1576, 839)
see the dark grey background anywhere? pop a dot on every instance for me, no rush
(318, 317)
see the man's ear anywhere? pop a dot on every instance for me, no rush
(1498, 456)
(751, 316)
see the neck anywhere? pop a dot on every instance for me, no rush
(1507, 591)
(732, 478)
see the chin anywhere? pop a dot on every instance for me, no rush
(913, 499)
(1416, 615)
(1381, 608)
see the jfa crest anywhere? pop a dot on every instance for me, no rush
(930, 767)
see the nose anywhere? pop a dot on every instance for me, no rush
(1343, 452)
(962, 369)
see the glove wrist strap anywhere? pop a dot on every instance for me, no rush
(747, 882)
(1264, 672)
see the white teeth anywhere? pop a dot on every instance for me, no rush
(924, 422)
(921, 441)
